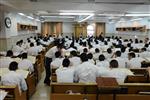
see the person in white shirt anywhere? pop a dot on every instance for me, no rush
(17, 48)
(65, 73)
(13, 78)
(74, 59)
(96, 54)
(108, 54)
(124, 54)
(86, 71)
(122, 62)
(49, 56)
(119, 73)
(102, 62)
(5, 61)
(134, 62)
(90, 58)
(56, 63)
(144, 53)
(33, 51)
(25, 63)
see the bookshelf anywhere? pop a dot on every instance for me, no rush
(131, 29)
(23, 27)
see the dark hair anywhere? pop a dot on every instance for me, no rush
(85, 50)
(118, 53)
(109, 50)
(74, 53)
(101, 57)
(9, 53)
(113, 64)
(57, 54)
(66, 62)
(24, 55)
(90, 56)
(143, 49)
(131, 54)
(97, 50)
(83, 57)
(31, 44)
(123, 49)
(13, 66)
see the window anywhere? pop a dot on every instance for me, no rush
(90, 30)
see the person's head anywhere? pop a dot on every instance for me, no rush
(13, 66)
(109, 50)
(136, 41)
(9, 53)
(31, 44)
(146, 45)
(118, 53)
(131, 55)
(123, 49)
(97, 50)
(24, 55)
(101, 57)
(83, 57)
(73, 53)
(90, 56)
(143, 49)
(59, 47)
(66, 62)
(85, 50)
(113, 64)
(57, 54)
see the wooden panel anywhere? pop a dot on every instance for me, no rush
(132, 97)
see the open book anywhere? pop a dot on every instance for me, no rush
(2, 94)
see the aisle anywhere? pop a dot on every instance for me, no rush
(42, 91)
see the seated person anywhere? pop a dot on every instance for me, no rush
(17, 48)
(25, 63)
(5, 61)
(134, 62)
(119, 73)
(65, 73)
(90, 58)
(74, 59)
(96, 54)
(102, 62)
(86, 71)
(56, 63)
(14, 78)
(33, 51)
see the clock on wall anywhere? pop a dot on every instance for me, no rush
(7, 22)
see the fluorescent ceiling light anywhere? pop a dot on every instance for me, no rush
(86, 18)
(111, 14)
(30, 17)
(58, 16)
(37, 20)
(121, 21)
(22, 14)
(136, 19)
(75, 13)
(138, 14)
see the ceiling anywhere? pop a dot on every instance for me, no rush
(96, 10)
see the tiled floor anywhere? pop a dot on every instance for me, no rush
(42, 91)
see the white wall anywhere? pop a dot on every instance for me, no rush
(9, 36)
(68, 28)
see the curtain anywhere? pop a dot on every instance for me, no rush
(100, 28)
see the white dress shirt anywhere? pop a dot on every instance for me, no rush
(56, 63)
(86, 72)
(65, 74)
(26, 65)
(75, 61)
(51, 52)
(13, 78)
(122, 62)
(33, 51)
(17, 48)
(135, 62)
(104, 63)
(5, 61)
(119, 73)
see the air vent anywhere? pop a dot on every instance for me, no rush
(33, 0)
(91, 1)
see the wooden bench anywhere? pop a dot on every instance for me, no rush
(13, 93)
(137, 79)
(88, 91)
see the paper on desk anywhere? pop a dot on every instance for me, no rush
(2, 94)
